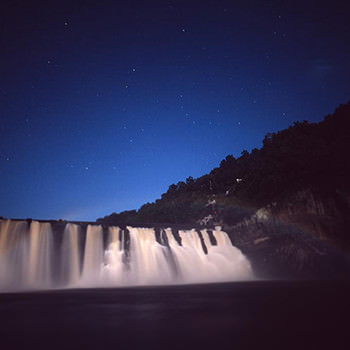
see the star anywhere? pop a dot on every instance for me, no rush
(183, 30)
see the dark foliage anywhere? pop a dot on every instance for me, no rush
(306, 155)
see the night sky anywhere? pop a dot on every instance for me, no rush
(103, 105)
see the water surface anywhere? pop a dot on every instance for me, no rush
(256, 315)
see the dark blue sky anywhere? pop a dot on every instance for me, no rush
(104, 105)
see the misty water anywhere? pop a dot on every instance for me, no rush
(33, 257)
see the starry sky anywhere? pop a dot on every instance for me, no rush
(104, 104)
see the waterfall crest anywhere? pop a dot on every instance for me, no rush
(36, 256)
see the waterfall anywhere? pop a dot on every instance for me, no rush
(13, 254)
(114, 270)
(40, 254)
(88, 256)
(70, 260)
(93, 255)
(148, 264)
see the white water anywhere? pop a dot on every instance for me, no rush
(40, 255)
(30, 257)
(93, 255)
(70, 254)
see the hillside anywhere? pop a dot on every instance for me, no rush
(307, 162)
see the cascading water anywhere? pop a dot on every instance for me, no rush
(30, 257)
(93, 255)
(70, 255)
(40, 254)
(14, 254)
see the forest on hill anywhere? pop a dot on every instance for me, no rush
(304, 156)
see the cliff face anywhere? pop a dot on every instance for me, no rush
(324, 214)
(305, 236)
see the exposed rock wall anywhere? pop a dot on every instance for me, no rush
(325, 214)
(301, 238)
